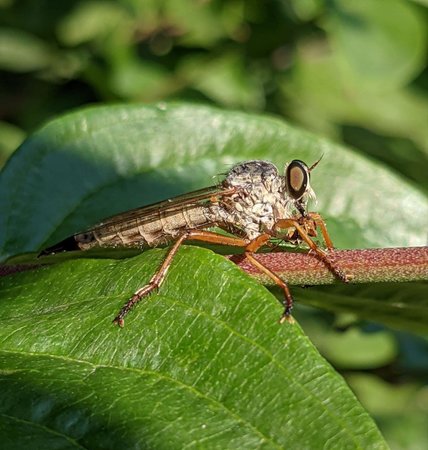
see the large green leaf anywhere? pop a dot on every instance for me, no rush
(203, 364)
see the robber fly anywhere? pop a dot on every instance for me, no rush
(253, 204)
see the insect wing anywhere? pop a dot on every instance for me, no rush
(150, 213)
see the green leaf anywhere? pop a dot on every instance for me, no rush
(224, 79)
(320, 99)
(22, 52)
(203, 363)
(402, 306)
(306, 10)
(91, 164)
(91, 20)
(11, 137)
(399, 407)
(204, 27)
(355, 349)
(382, 50)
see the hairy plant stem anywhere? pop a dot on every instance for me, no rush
(362, 266)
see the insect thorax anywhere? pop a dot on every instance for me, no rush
(259, 201)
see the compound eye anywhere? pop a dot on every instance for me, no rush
(297, 178)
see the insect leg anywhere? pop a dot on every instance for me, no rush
(321, 224)
(159, 276)
(326, 258)
(250, 249)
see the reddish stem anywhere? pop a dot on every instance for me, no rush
(363, 266)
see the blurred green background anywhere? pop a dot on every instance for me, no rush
(354, 71)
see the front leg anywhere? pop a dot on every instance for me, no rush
(326, 257)
(319, 221)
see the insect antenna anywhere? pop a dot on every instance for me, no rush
(315, 164)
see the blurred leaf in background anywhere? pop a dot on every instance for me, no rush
(365, 83)
(356, 71)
